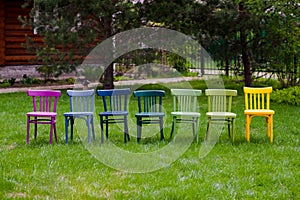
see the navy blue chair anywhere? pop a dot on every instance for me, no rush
(115, 110)
(81, 106)
(149, 110)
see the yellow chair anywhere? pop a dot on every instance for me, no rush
(257, 103)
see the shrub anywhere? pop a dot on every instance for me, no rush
(290, 96)
(36, 81)
(12, 81)
(70, 80)
(4, 84)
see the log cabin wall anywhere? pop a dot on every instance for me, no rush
(14, 33)
(2, 33)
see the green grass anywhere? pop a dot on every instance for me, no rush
(255, 170)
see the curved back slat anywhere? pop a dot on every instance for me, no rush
(114, 99)
(81, 100)
(149, 100)
(220, 100)
(257, 98)
(44, 100)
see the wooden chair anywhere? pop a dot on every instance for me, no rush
(219, 109)
(44, 111)
(257, 103)
(149, 110)
(81, 107)
(115, 110)
(185, 109)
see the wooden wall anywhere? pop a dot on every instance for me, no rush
(2, 34)
(12, 33)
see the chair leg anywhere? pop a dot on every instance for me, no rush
(271, 128)
(173, 126)
(72, 126)
(93, 129)
(197, 128)
(193, 126)
(248, 121)
(208, 128)
(228, 126)
(139, 128)
(89, 128)
(66, 128)
(101, 129)
(161, 126)
(35, 127)
(232, 130)
(51, 132)
(28, 130)
(126, 135)
(54, 128)
(106, 131)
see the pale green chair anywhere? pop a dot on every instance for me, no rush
(185, 109)
(219, 109)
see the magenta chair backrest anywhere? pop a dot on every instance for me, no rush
(44, 100)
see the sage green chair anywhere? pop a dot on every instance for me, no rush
(219, 109)
(185, 108)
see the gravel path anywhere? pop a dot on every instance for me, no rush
(130, 82)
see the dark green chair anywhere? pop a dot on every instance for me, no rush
(149, 110)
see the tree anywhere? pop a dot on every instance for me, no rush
(280, 44)
(71, 28)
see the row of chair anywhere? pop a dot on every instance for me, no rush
(115, 101)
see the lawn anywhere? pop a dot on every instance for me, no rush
(255, 170)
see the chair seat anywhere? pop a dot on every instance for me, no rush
(150, 114)
(259, 112)
(114, 113)
(187, 114)
(42, 114)
(74, 114)
(221, 114)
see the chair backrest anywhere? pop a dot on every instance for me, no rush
(185, 100)
(114, 99)
(44, 100)
(220, 100)
(81, 100)
(149, 100)
(257, 98)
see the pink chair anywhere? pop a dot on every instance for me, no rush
(44, 111)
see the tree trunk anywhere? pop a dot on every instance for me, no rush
(109, 77)
(247, 68)
(243, 42)
(109, 71)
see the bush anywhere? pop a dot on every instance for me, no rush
(262, 82)
(70, 80)
(4, 84)
(12, 81)
(290, 96)
(36, 81)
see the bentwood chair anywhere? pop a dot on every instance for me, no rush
(81, 107)
(219, 109)
(186, 110)
(115, 110)
(44, 111)
(257, 103)
(149, 110)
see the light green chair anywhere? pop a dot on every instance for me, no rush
(219, 109)
(185, 103)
